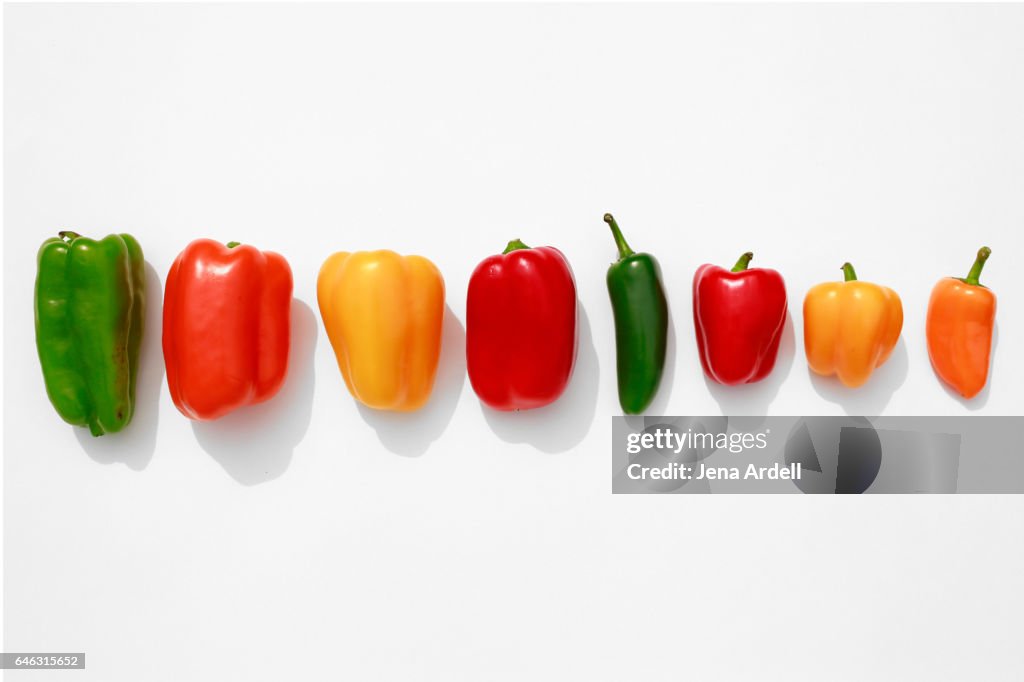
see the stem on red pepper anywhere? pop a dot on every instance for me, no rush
(514, 245)
(848, 273)
(744, 262)
(620, 241)
(68, 235)
(232, 245)
(975, 274)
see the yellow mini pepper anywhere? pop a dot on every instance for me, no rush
(850, 327)
(383, 313)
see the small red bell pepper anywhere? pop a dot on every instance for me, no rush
(227, 327)
(738, 317)
(521, 334)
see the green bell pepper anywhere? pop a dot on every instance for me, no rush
(90, 308)
(641, 323)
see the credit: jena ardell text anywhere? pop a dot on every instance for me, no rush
(701, 471)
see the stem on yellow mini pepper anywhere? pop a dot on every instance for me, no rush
(849, 275)
(975, 274)
(620, 241)
(744, 262)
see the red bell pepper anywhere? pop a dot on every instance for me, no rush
(521, 334)
(227, 327)
(738, 317)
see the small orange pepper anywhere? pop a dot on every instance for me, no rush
(850, 327)
(383, 313)
(961, 316)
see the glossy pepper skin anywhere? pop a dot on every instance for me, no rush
(384, 315)
(961, 317)
(521, 332)
(850, 327)
(738, 316)
(227, 327)
(90, 300)
(641, 323)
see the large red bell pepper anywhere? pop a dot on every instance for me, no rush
(738, 317)
(521, 334)
(227, 327)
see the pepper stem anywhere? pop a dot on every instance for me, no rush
(232, 245)
(514, 245)
(975, 274)
(744, 262)
(68, 235)
(848, 273)
(620, 241)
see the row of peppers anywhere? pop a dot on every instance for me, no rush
(227, 310)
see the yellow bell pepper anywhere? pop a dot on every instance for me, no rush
(383, 313)
(850, 327)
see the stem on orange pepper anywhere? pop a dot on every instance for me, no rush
(975, 274)
(848, 273)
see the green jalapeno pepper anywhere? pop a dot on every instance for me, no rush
(641, 323)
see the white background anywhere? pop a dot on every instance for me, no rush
(310, 539)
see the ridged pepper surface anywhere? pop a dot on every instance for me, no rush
(850, 327)
(384, 315)
(738, 317)
(227, 327)
(521, 331)
(89, 313)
